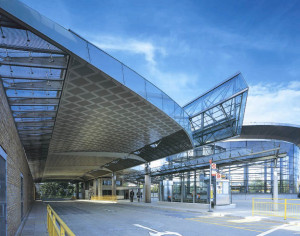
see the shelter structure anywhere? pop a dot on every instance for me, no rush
(71, 112)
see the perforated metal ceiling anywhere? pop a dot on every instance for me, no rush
(98, 114)
(62, 104)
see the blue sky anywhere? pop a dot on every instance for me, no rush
(187, 47)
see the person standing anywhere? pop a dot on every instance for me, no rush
(131, 195)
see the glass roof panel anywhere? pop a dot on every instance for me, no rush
(26, 39)
(33, 108)
(32, 93)
(32, 84)
(24, 119)
(34, 127)
(33, 101)
(29, 72)
(220, 93)
(4, 52)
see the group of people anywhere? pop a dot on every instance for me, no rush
(139, 195)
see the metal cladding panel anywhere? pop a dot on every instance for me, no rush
(98, 114)
(284, 132)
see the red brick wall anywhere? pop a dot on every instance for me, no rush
(16, 165)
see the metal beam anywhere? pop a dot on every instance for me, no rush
(39, 85)
(31, 132)
(34, 144)
(37, 123)
(40, 62)
(32, 101)
(31, 49)
(33, 78)
(35, 137)
(34, 114)
(6, 22)
(28, 128)
(34, 96)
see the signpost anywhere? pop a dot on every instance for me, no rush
(210, 189)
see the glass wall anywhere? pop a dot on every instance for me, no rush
(257, 177)
(245, 177)
(181, 187)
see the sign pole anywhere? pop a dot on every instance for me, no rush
(210, 210)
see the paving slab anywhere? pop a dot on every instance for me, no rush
(36, 222)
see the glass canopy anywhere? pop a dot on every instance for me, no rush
(218, 114)
(32, 73)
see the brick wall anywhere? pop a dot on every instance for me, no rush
(16, 165)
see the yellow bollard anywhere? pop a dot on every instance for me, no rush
(285, 209)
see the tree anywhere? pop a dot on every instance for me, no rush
(54, 189)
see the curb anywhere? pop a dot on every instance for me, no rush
(217, 213)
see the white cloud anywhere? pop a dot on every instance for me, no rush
(294, 85)
(277, 103)
(179, 86)
(146, 48)
(266, 102)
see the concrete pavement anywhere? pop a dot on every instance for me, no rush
(162, 218)
(36, 222)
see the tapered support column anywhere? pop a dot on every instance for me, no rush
(188, 182)
(100, 187)
(113, 184)
(246, 178)
(161, 190)
(77, 190)
(94, 187)
(83, 190)
(275, 186)
(182, 188)
(147, 187)
(172, 192)
(265, 177)
(195, 188)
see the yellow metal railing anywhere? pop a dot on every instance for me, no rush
(55, 225)
(279, 207)
(105, 198)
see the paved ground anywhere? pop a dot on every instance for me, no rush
(36, 222)
(125, 218)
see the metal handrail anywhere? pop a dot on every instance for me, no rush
(55, 225)
(271, 207)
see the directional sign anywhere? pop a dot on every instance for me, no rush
(213, 165)
(219, 176)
